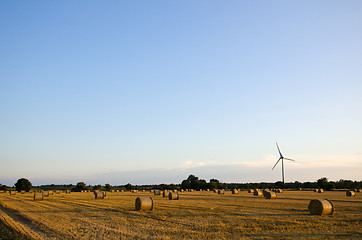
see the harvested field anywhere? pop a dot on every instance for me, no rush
(197, 215)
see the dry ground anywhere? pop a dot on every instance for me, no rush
(197, 215)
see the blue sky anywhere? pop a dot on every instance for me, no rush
(152, 91)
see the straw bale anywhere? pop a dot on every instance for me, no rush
(173, 196)
(144, 203)
(251, 191)
(157, 192)
(320, 190)
(235, 191)
(270, 195)
(99, 194)
(321, 207)
(12, 192)
(45, 193)
(350, 193)
(258, 193)
(279, 191)
(165, 193)
(22, 191)
(221, 191)
(38, 197)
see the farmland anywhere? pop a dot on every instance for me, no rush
(196, 215)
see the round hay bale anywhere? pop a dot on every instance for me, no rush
(215, 190)
(45, 193)
(320, 190)
(12, 192)
(165, 193)
(270, 195)
(67, 191)
(258, 193)
(122, 190)
(113, 191)
(38, 197)
(22, 191)
(117, 191)
(182, 190)
(350, 193)
(315, 190)
(221, 191)
(175, 190)
(173, 196)
(279, 191)
(99, 195)
(321, 207)
(251, 191)
(235, 191)
(207, 190)
(144, 203)
(357, 190)
(157, 192)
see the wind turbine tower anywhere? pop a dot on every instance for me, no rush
(281, 158)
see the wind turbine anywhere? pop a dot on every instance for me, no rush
(281, 158)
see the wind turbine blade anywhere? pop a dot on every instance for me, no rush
(276, 163)
(289, 159)
(279, 150)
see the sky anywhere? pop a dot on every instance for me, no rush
(149, 92)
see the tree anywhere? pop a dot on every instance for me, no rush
(185, 184)
(129, 186)
(79, 187)
(108, 187)
(214, 184)
(97, 187)
(3, 187)
(23, 184)
(322, 182)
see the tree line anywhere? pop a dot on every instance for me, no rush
(192, 182)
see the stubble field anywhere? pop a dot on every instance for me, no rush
(196, 215)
